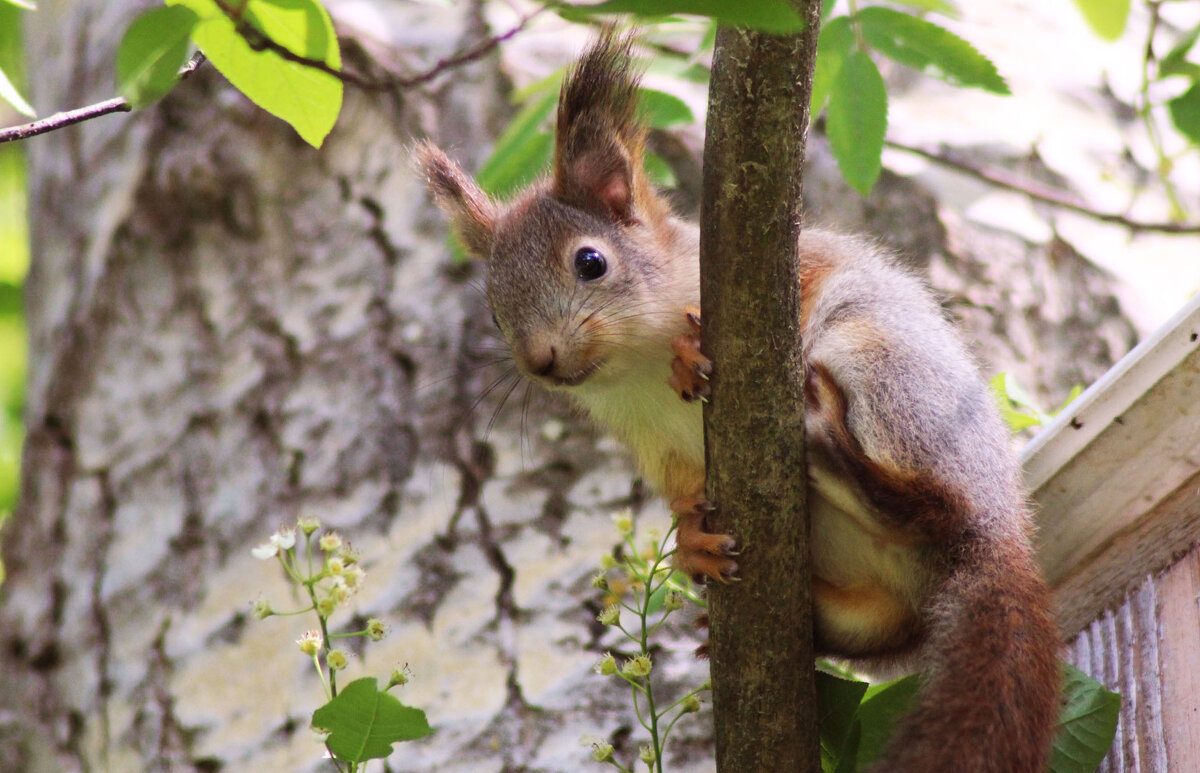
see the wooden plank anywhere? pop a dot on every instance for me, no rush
(1115, 476)
(1144, 454)
(1179, 649)
(1144, 613)
(1148, 649)
(1146, 546)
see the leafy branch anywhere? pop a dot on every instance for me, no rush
(69, 117)
(258, 41)
(235, 37)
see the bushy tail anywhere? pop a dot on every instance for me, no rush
(989, 702)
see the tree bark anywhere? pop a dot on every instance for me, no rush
(764, 694)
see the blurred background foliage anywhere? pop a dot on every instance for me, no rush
(14, 262)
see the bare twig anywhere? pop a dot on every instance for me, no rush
(260, 42)
(1038, 192)
(59, 120)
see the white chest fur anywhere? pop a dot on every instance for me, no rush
(649, 418)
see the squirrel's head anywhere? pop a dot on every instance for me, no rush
(577, 262)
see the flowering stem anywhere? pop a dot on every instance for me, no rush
(312, 594)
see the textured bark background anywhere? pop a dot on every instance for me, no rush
(229, 329)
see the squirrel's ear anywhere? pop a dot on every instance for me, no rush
(595, 172)
(598, 140)
(471, 211)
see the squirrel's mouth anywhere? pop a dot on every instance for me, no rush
(573, 379)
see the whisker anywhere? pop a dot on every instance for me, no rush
(496, 413)
(463, 371)
(511, 373)
(525, 421)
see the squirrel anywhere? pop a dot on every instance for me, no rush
(920, 536)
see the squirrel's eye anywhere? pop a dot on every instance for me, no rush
(589, 264)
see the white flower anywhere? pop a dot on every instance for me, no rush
(284, 538)
(265, 550)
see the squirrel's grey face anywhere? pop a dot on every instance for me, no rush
(562, 292)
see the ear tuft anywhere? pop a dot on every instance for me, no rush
(456, 193)
(599, 142)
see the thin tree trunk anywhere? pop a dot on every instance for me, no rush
(764, 696)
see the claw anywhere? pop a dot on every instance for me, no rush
(699, 552)
(690, 369)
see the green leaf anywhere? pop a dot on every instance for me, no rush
(154, 48)
(522, 152)
(657, 600)
(1185, 113)
(1086, 726)
(767, 15)
(833, 45)
(848, 762)
(857, 121)
(659, 171)
(1175, 62)
(9, 93)
(1075, 392)
(1017, 407)
(883, 705)
(937, 6)
(22, 4)
(305, 97)
(660, 110)
(363, 722)
(838, 698)
(928, 47)
(1106, 17)
(12, 71)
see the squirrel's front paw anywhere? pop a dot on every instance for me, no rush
(699, 553)
(690, 369)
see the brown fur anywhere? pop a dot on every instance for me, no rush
(919, 529)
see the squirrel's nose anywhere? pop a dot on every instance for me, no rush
(541, 363)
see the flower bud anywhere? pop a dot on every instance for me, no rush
(646, 754)
(610, 615)
(690, 704)
(330, 541)
(376, 630)
(308, 524)
(336, 660)
(353, 575)
(261, 609)
(310, 642)
(607, 665)
(673, 601)
(638, 666)
(600, 581)
(624, 522)
(602, 751)
(399, 678)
